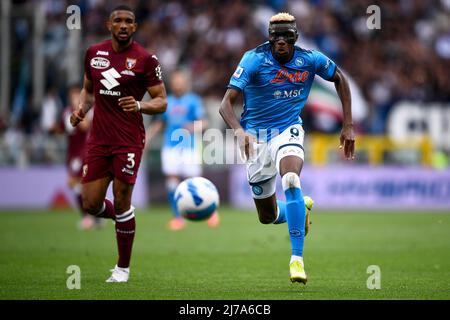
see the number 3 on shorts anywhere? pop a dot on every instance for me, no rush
(131, 161)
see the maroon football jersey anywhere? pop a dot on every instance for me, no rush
(115, 75)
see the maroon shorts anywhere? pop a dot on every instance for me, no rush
(120, 162)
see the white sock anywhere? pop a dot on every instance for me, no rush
(296, 258)
(123, 269)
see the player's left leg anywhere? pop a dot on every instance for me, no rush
(287, 152)
(290, 168)
(125, 229)
(125, 167)
(125, 222)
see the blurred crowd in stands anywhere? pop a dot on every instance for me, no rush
(408, 58)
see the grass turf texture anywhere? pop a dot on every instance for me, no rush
(242, 259)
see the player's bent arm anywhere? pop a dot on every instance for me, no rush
(158, 104)
(226, 109)
(347, 138)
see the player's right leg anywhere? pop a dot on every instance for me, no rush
(96, 177)
(261, 174)
(94, 199)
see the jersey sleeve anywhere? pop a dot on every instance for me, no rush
(324, 66)
(87, 64)
(197, 111)
(153, 73)
(244, 72)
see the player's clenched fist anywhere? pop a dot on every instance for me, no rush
(129, 104)
(77, 116)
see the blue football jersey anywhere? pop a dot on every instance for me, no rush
(180, 112)
(274, 94)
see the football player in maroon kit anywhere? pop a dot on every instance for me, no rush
(118, 72)
(76, 142)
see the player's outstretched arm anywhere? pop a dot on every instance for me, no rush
(347, 138)
(158, 104)
(245, 140)
(85, 104)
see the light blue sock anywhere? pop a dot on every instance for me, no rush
(295, 216)
(281, 212)
(172, 202)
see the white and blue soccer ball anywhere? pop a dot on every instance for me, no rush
(196, 198)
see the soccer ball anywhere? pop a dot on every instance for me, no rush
(196, 198)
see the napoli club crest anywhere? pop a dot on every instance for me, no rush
(131, 63)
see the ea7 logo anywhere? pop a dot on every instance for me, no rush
(110, 77)
(100, 63)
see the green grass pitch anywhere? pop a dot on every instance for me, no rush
(242, 259)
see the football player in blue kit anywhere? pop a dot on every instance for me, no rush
(275, 79)
(181, 152)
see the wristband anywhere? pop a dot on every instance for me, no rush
(138, 105)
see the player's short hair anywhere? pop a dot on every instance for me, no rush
(282, 17)
(123, 7)
(284, 21)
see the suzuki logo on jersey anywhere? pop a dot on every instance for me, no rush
(110, 82)
(287, 94)
(100, 63)
(283, 75)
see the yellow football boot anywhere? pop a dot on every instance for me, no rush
(297, 272)
(308, 206)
